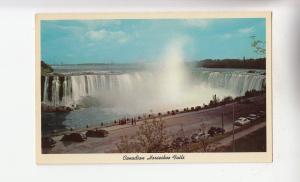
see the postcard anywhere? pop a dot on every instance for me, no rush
(167, 87)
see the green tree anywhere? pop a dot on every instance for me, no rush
(258, 46)
(151, 137)
(45, 68)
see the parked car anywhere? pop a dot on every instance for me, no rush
(197, 136)
(241, 121)
(96, 133)
(252, 117)
(215, 131)
(262, 113)
(212, 131)
(180, 141)
(238, 123)
(48, 142)
(186, 141)
(74, 137)
(205, 136)
(220, 130)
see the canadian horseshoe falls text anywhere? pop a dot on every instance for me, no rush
(132, 90)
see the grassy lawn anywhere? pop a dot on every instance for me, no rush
(254, 142)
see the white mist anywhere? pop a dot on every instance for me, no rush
(172, 76)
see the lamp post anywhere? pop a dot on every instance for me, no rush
(233, 142)
(222, 122)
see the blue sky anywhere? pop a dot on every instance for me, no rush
(130, 41)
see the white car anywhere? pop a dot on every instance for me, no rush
(261, 114)
(252, 117)
(197, 136)
(241, 121)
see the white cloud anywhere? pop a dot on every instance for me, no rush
(237, 33)
(105, 35)
(246, 30)
(96, 35)
(198, 23)
(93, 25)
(227, 35)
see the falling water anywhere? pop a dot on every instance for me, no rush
(55, 91)
(170, 85)
(239, 82)
(45, 97)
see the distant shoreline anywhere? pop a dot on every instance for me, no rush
(252, 63)
(259, 63)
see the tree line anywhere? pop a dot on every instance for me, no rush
(259, 63)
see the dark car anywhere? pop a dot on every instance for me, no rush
(48, 142)
(262, 114)
(213, 131)
(186, 141)
(96, 133)
(195, 138)
(180, 141)
(74, 137)
(220, 130)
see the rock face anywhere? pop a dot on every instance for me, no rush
(45, 68)
(47, 108)
(48, 142)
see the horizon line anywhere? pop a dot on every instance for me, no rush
(147, 62)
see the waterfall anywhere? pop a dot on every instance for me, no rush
(238, 82)
(67, 91)
(55, 91)
(76, 87)
(45, 94)
(70, 89)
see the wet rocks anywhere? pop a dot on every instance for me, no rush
(48, 142)
(47, 108)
